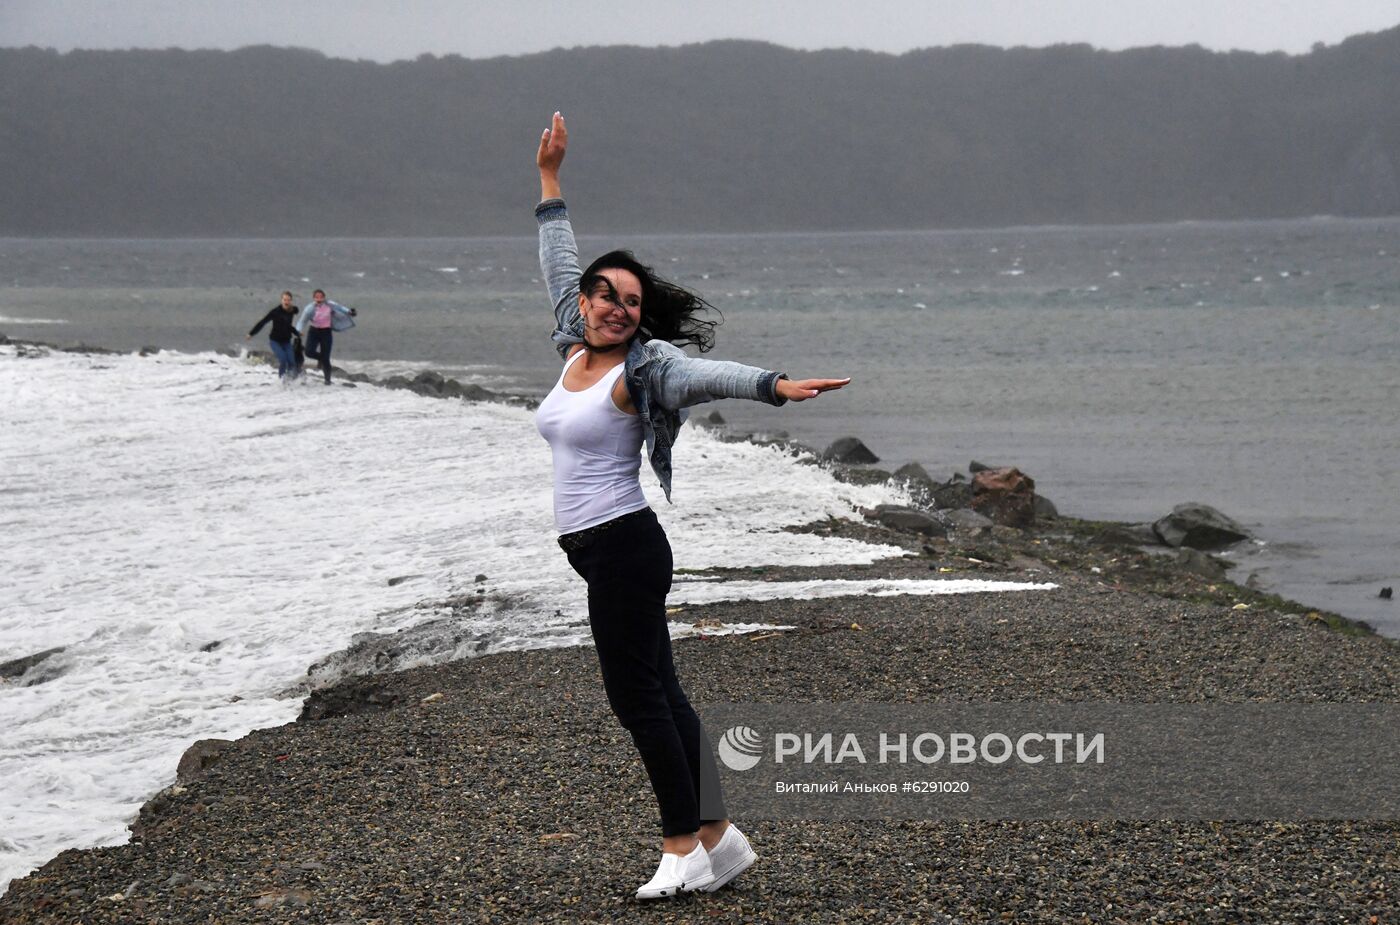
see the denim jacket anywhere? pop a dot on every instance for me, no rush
(661, 379)
(340, 317)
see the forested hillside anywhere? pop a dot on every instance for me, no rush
(719, 136)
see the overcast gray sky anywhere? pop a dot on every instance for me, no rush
(386, 30)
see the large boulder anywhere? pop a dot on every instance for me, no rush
(1006, 496)
(1198, 526)
(1045, 509)
(851, 451)
(952, 495)
(914, 479)
(860, 475)
(470, 392)
(1126, 535)
(914, 474)
(968, 523)
(909, 520)
(428, 382)
(199, 756)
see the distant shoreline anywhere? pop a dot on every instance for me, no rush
(956, 137)
(783, 232)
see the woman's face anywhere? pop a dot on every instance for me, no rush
(613, 317)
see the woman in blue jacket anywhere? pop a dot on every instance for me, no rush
(319, 320)
(626, 384)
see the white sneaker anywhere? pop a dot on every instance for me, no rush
(678, 874)
(732, 855)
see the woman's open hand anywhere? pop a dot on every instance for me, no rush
(803, 389)
(553, 143)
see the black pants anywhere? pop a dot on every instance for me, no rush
(628, 570)
(318, 347)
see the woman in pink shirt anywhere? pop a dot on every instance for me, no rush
(318, 321)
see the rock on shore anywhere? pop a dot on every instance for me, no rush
(1198, 526)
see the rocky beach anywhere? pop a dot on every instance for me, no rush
(501, 789)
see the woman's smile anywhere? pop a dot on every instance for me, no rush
(614, 308)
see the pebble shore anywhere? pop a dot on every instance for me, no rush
(501, 789)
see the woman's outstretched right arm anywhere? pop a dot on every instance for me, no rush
(558, 250)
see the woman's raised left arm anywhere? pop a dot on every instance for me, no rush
(558, 250)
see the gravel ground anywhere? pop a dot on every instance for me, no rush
(515, 797)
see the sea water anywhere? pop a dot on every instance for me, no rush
(1248, 365)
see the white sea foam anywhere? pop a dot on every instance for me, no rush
(810, 590)
(6, 319)
(685, 630)
(196, 536)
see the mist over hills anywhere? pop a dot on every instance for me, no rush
(721, 136)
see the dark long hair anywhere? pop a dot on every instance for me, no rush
(669, 312)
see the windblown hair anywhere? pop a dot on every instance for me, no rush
(669, 312)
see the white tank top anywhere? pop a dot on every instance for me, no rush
(597, 449)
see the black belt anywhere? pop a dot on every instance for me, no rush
(573, 542)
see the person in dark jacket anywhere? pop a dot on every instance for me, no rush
(282, 318)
